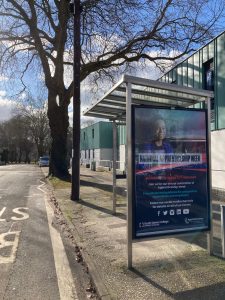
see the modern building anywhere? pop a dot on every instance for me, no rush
(97, 145)
(205, 69)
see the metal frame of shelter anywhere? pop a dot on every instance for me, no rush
(116, 104)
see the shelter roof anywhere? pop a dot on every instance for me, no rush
(112, 105)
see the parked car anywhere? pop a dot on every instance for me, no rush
(43, 161)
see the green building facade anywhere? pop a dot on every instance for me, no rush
(96, 136)
(96, 144)
(205, 69)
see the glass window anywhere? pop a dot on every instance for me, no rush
(93, 133)
(208, 83)
(208, 80)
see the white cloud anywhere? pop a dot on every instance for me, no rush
(2, 93)
(6, 107)
(4, 78)
(85, 121)
(23, 96)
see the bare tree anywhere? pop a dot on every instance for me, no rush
(34, 113)
(115, 33)
(88, 122)
(15, 138)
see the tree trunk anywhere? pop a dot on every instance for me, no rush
(40, 147)
(59, 123)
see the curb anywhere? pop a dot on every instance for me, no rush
(101, 289)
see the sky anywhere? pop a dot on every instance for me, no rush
(6, 106)
(9, 98)
(5, 109)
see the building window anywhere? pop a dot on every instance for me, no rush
(93, 133)
(85, 154)
(84, 136)
(208, 79)
(212, 102)
(208, 83)
(93, 151)
(89, 153)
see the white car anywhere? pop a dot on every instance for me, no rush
(43, 161)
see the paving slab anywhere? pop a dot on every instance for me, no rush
(162, 269)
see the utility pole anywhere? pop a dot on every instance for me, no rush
(75, 190)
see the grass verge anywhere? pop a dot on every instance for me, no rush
(59, 183)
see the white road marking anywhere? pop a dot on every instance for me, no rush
(66, 285)
(17, 211)
(13, 244)
(1, 213)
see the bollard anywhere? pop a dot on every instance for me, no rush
(222, 209)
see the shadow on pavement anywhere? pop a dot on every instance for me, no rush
(214, 291)
(106, 187)
(207, 292)
(102, 209)
(152, 282)
(201, 240)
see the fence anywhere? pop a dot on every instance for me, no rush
(120, 165)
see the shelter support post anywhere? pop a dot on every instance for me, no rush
(129, 175)
(222, 210)
(210, 233)
(114, 165)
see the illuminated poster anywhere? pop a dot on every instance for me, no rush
(170, 163)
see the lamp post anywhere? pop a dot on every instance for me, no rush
(75, 190)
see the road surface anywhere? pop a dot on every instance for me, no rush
(33, 262)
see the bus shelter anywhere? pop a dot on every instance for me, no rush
(168, 191)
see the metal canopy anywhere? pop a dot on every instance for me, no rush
(112, 105)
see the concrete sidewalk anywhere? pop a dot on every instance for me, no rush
(163, 269)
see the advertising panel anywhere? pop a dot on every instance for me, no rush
(170, 163)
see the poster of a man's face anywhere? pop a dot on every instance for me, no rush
(170, 171)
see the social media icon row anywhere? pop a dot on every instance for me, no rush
(173, 212)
